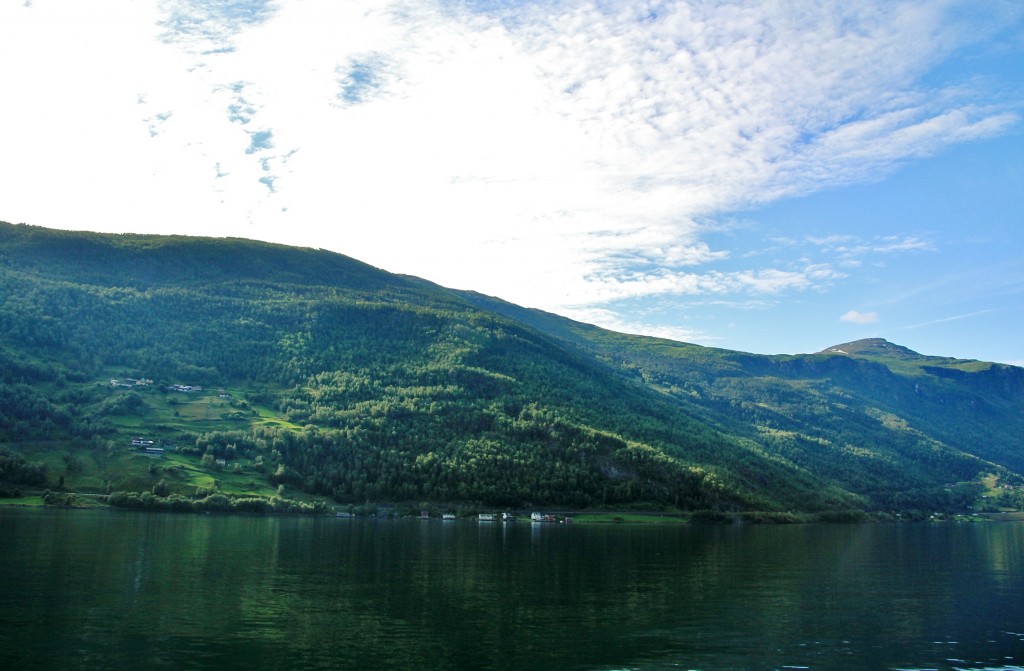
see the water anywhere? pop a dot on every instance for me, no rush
(117, 590)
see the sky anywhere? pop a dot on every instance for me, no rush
(770, 177)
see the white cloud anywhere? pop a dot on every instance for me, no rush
(855, 317)
(559, 156)
(850, 248)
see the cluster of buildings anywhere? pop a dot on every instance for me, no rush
(147, 446)
(130, 382)
(187, 388)
(534, 517)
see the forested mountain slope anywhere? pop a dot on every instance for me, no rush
(328, 376)
(880, 418)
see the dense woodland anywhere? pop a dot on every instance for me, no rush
(357, 386)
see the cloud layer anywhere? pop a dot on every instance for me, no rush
(565, 155)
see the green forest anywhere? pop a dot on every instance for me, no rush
(177, 373)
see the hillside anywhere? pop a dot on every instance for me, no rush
(261, 368)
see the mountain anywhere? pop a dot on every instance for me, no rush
(263, 368)
(873, 347)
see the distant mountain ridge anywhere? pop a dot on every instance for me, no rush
(334, 378)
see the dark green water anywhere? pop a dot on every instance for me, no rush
(108, 590)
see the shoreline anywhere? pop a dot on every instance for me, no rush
(584, 517)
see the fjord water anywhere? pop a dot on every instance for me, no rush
(109, 590)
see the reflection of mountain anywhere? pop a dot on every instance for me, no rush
(1004, 551)
(365, 386)
(235, 592)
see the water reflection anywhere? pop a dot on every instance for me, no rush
(123, 590)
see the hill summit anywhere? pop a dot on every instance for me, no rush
(873, 347)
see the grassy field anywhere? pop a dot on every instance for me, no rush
(170, 419)
(24, 501)
(80, 472)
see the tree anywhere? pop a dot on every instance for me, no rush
(161, 489)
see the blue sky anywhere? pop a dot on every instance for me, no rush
(766, 177)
